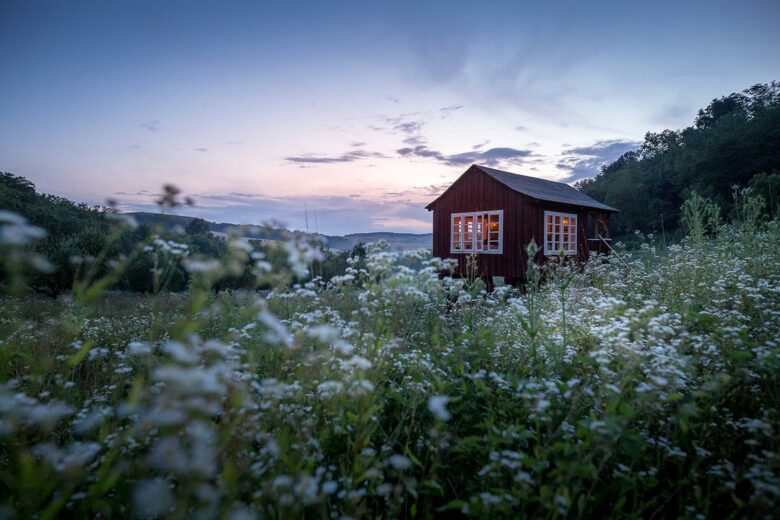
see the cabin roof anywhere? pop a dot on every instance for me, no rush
(540, 189)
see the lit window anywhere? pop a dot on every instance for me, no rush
(560, 233)
(477, 232)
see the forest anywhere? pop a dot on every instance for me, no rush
(734, 141)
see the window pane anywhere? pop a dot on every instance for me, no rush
(573, 234)
(478, 232)
(468, 233)
(456, 232)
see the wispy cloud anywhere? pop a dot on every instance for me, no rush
(446, 112)
(409, 127)
(586, 161)
(416, 192)
(407, 123)
(152, 126)
(489, 157)
(347, 157)
(201, 149)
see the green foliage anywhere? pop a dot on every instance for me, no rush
(732, 140)
(767, 186)
(336, 263)
(197, 226)
(642, 391)
(748, 211)
(700, 216)
(83, 244)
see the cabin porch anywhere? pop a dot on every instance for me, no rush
(597, 233)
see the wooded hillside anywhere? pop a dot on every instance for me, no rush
(735, 140)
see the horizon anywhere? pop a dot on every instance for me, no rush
(310, 232)
(361, 113)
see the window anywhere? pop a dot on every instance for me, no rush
(478, 232)
(560, 233)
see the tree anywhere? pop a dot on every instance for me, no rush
(198, 226)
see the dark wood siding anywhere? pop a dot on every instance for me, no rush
(523, 222)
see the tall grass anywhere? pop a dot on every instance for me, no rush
(392, 392)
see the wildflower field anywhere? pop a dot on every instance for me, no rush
(641, 390)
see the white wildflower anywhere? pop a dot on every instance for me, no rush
(437, 405)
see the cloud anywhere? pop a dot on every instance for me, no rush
(431, 190)
(412, 123)
(201, 149)
(410, 127)
(489, 157)
(450, 108)
(446, 112)
(414, 140)
(152, 126)
(347, 157)
(586, 161)
(140, 193)
(408, 123)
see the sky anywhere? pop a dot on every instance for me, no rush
(353, 114)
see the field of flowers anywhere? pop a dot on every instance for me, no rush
(648, 390)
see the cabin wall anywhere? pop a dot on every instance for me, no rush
(475, 191)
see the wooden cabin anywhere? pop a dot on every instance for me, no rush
(494, 215)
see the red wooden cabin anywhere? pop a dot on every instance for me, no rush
(494, 215)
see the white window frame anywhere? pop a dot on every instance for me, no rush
(476, 242)
(555, 239)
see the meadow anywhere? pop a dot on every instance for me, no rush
(647, 390)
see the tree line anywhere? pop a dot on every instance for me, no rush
(81, 238)
(734, 141)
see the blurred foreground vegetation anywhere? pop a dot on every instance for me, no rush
(646, 390)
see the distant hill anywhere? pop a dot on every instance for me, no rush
(396, 241)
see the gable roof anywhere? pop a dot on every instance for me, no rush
(540, 189)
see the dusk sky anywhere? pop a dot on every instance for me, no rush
(363, 110)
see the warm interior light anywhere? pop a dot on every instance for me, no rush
(566, 220)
